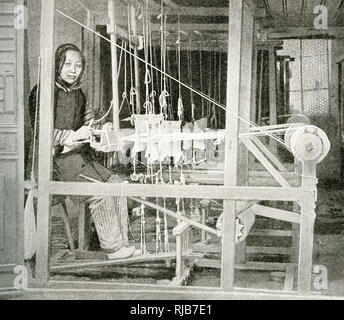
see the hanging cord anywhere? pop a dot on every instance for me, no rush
(132, 87)
(201, 77)
(125, 94)
(118, 73)
(32, 174)
(162, 35)
(211, 100)
(189, 63)
(147, 103)
(120, 59)
(155, 63)
(164, 93)
(180, 107)
(169, 85)
(158, 242)
(153, 92)
(215, 78)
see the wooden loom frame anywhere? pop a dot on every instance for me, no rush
(241, 26)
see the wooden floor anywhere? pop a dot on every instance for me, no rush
(105, 291)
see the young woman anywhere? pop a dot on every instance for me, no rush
(73, 157)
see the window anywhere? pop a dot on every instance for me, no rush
(310, 75)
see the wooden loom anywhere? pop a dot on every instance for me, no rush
(308, 143)
(234, 188)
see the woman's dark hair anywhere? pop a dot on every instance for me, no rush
(60, 58)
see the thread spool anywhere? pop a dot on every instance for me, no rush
(309, 143)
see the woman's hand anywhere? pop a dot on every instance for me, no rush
(84, 133)
(107, 126)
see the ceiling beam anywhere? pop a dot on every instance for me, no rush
(193, 37)
(196, 11)
(221, 27)
(222, 48)
(302, 32)
(204, 12)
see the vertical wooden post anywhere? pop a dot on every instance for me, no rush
(179, 261)
(272, 86)
(272, 95)
(301, 77)
(306, 230)
(238, 102)
(114, 64)
(21, 59)
(259, 111)
(295, 226)
(254, 85)
(45, 139)
(82, 223)
(97, 75)
(287, 88)
(90, 58)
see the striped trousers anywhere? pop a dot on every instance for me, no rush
(110, 216)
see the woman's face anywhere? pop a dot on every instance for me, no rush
(72, 67)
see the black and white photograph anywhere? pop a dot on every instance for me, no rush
(171, 150)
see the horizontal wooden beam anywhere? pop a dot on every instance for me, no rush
(268, 250)
(128, 261)
(123, 34)
(278, 214)
(210, 48)
(182, 191)
(302, 32)
(195, 11)
(171, 4)
(192, 27)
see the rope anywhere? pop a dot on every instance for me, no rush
(105, 115)
(180, 107)
(153, 93)
(125, 95)
(132, 88)
(169, 86)
(211, 100)
(158, 242)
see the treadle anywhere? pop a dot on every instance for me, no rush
(139, 259)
